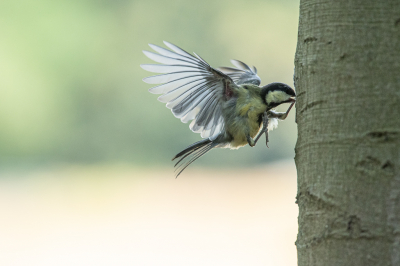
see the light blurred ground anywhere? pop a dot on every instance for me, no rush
(122, 216)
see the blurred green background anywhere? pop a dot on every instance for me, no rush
(72, 90)
(85, 149)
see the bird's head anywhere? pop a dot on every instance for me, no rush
(275, 94)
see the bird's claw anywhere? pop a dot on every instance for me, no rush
(252, 143)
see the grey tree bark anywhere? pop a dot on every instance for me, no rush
(347, 78)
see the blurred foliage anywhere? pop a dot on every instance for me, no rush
(71, 85)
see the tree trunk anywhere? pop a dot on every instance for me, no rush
(347, 77)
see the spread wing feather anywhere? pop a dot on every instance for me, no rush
(192, 89)
(242, 74)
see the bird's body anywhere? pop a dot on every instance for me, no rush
(243, 115)
(227, 106)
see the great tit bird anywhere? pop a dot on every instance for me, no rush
(226, 105)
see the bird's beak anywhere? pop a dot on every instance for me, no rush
(290, 100)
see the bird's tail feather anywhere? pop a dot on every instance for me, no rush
(191, 154)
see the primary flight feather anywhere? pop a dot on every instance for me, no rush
(226, 105)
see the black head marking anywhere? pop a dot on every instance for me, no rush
(278, 86)
(275, 87)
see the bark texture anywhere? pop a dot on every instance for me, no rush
(347, 77)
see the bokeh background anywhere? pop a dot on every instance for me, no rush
(85, 149)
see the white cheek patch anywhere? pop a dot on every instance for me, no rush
(276, 97)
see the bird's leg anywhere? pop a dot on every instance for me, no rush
(279, 115)
(252, 142)
(270, 114)
(265, 122)
(264, 129)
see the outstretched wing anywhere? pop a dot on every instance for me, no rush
(242, 74)
(192, 89)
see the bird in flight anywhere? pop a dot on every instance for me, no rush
(226, 105)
